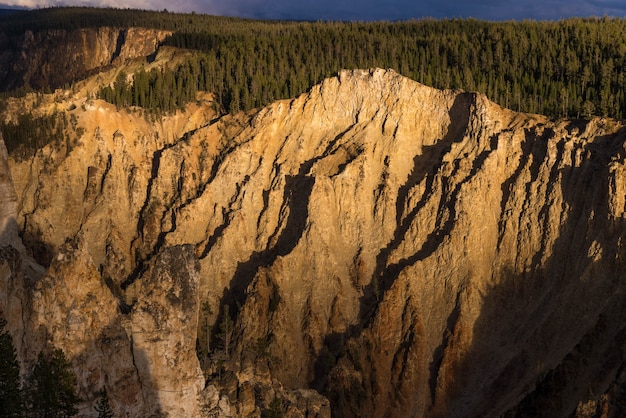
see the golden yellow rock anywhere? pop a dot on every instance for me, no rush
(402, 250)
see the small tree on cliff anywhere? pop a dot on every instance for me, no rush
(220, 356)
(274, 410)
(206, 309)
(102, 405)
(51, 387)
(226, 329)
(11, 394)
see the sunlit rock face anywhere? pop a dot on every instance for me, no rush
(164, 320)
(73, 309)
(383, 249)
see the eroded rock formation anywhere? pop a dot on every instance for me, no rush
(52, 58)
(400, 250)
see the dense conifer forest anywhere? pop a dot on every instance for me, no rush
(572, 68)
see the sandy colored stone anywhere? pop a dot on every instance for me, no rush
(395, 250)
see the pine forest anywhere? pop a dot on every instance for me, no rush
(569, 68)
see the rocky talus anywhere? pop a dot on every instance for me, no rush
(372, 248)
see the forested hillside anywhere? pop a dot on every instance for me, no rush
(568, 68)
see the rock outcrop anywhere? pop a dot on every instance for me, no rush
(8, 203)
(400, 250)
(52, 58)
(72, 308)
(164, 323)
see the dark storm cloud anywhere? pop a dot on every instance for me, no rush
(365, 9)
(403, 9)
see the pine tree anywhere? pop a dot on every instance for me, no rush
(226, 328)
(206, 309)
(121, 90)
(102, 405)
(274, 410)
(11, 394)
(52, 387)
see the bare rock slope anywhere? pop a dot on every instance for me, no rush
(403, 251)
(53, 58)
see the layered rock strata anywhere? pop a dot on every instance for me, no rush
(53, 58)
(402, 250)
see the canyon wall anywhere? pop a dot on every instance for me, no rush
(53, 58)
(381, 247)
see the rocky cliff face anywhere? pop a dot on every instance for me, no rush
(52, 58)
(8, 203)
(401, 250)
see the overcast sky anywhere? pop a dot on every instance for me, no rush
(364, 9)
